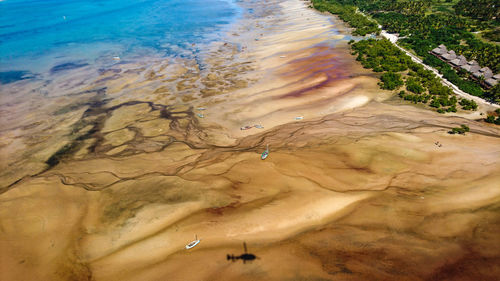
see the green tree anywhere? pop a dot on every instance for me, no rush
(490, 119)
(391, 81)
(414, 86)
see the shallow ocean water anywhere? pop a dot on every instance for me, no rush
(36, 35)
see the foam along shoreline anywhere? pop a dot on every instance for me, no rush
(355, 190)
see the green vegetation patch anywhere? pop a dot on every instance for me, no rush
(391, 81)
(348, 13)
(463, 83)
(423, 25)
(459, 130)
(398, 69)
(492, 35)
(468, 104)
(493, 119)
(485, 10)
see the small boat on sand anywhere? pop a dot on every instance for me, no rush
(246, 128)
(193, 243)
(299, 117)
(264, 154)
(200, 115)
(258, 126)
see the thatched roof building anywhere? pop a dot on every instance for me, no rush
(451, 55)
(485, 74)
(485, 69)
(466, 67)
(474, 68)
(491, 82)
(471, 66)
(459, 61)
(441, 50)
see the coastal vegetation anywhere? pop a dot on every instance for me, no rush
(459, 130)
(486, 10)
(493, 118)
(398, 69)
(492, 35)
(460, 79)
(348, 13)
(424, 24)
(146, 154)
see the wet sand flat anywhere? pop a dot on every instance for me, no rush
(111, 177)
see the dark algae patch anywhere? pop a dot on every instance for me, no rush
(54, 159)
(7, 77)
(67, 66)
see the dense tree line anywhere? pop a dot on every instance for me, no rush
(492, 35)
(494, 94)
(413, 85)
(422, 34)
(479, 9)
(407, 7)
(348, 13)
(422, 30)
(390, 81)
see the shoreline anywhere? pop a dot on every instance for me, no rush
(70, 95)
(59, 40)
(355, 189)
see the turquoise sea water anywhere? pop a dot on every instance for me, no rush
(35, 34)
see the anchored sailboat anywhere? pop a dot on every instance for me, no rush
(265, 153)
(193, 243)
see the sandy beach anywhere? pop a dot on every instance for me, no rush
(116, 172)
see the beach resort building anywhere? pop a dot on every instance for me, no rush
(449, 56)
(459, 61)
(471, 66)
(441, 50)
(491, 82)
(483, 74)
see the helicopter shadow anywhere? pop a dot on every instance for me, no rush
(245, 257)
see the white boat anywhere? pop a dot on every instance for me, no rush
(193, 243)
(264, 154)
